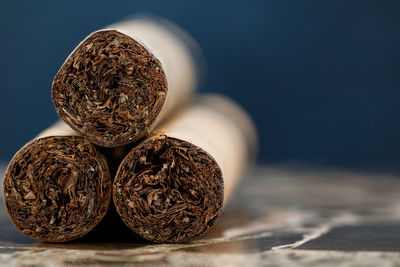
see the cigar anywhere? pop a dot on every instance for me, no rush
(119, 82)
(172, 186)
(57, 187)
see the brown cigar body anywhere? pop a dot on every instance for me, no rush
(57, 187)
(121, 81)
(172, 186)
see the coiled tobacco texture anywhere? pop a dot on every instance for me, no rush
(111, 89)
(57, 188)
(168, 190)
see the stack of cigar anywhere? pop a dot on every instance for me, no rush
(134, 137)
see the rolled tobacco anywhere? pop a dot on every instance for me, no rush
(172, 186)
(120, 81)
(57, 187)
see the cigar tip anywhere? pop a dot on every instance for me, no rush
(48, 194)
(110, 89)
(173, 196)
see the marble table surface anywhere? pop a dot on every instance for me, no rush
(279, 216)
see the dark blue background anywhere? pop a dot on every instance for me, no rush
(320, 78)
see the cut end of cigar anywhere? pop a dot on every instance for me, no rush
(168, 190)
(110, 89)
(57, 189)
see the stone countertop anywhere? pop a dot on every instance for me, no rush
(278, 217)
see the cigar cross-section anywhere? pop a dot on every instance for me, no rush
(57, 188)
(120, 81)
(171, 187)
(169, 190)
